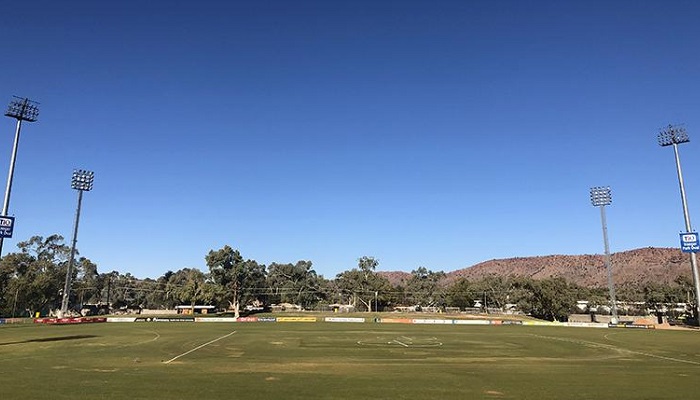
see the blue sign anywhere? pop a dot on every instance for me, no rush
(7, 224)
(689, 242)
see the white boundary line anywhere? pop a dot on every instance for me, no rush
(198, 347)
(156, 337)
(407, 342)
(620, 349)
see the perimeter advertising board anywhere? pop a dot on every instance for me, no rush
(689, 242)
(7, 224)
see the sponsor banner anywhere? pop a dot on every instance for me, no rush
(267, 319)
(78, 320)
(296, 319)
(12, 320)
(214, 319)
(586, 325)
(6, 226)
(121, 319)
(173, 319)
(543, 323)
(340, 319)
(394, 320)
(632, 326)
(433, 321)
(472, 322)
(161, 319)
(247, 319)
(511, 322)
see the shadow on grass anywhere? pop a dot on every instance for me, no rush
(51, 339)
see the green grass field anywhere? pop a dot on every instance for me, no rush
(158, 360)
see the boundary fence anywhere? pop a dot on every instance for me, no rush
(306, 319)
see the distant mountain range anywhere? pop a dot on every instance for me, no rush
(649, 264)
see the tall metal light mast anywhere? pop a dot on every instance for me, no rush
(601, 196)
(673, 136)
(82, 182)
(21, 109)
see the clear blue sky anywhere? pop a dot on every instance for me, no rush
(423, 133)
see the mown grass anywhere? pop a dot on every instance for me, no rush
(344, 361)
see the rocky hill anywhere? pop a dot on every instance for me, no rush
(643, 265)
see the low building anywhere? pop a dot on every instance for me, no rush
(189, 310)
(285, 307)
(342, 308)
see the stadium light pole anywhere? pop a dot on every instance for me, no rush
(673, 136)
(21, 109)
(600, 197)
(82, 182)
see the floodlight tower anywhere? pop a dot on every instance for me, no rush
(21, 109)
(600, 197)
(673, 136)
(82, 182)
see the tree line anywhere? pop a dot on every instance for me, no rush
(31, 280)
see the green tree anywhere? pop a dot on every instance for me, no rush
(552, 298)
(294, 283)
(493, 291)
(461, 294)
(33, 278)
(624, 292)
(657, 294)
(156, 297)
(423, 288)
(50, 248)
(190, 286)
(125, 291)
(108, 281)
(240, 281)
(87, 285)
(363, 284)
